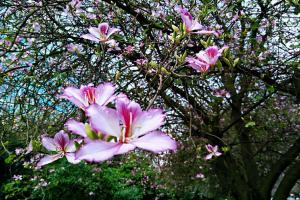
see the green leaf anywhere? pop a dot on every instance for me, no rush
(250, 124)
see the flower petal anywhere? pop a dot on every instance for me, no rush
(148, 121)
(186, 18)
(76, 127)
(61, 139)
(112, 31)
(95, 32)
(209, 156)
(70, 147)
(104, 93)
(103, 28)
(97, 151)
(156, 142)
(104, 120)
(49, 159)
(71, 158)
(218, 153)
(124, 148)
(75, 96)
(196, 25)
(90, 37)
(49, 143)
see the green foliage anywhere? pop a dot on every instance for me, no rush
(130, 178)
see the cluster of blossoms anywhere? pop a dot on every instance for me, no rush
(117, 125)
(109, 131)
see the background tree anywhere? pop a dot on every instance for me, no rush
(255, 125)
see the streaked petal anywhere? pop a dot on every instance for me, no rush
(61, 139)
(103, 28)
(71, 158)
(104, 120)
(212, 51)
(156, 142)
(186, 18)
(49, 159)
(148, 121)
(49, 143)
(76, 127)
(75, 96)
(97, 151)
(124, 107)
(104, 93)
(209, 148)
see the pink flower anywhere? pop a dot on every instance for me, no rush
(131, 127)
(19, 151)
(193, 25)
(141, 61)
(100, 33)
(88, 94)
(17, 177)
(75, 48)
(62, 145)
(221, 93)
(129, 49)
(190, 24)
(113, 45)
(212, 150)
(200, 175)
(205, 59)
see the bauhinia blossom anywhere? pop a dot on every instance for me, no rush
(192, 25)
(130, 126)
(61, 145)
(100, 33)
(187, 18)
(213, 151)
(88, 94)
(205, 59)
